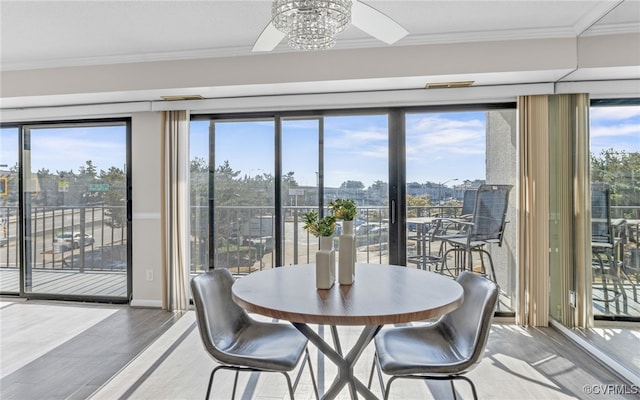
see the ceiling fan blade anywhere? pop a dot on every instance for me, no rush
(376, 23)
(268, 39)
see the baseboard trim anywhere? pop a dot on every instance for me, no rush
(146, 303)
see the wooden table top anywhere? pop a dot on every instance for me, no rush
(381, 294)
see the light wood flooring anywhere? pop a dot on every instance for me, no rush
(58, 350)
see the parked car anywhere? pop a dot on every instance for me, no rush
(377, 230)
(72, 239)
(366, 228)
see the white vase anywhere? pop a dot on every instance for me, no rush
(347, 254)
(325, 263)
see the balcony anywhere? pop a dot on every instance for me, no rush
(70, 250)
(244, 243)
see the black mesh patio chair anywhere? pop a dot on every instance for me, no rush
(607, 239)
(487, 226)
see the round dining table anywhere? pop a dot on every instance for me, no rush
(380, 295)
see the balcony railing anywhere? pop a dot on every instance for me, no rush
(244, 236)
(99, 244)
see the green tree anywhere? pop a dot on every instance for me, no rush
(352, 185)
(114, 198)
(416, 205)
(621, 170)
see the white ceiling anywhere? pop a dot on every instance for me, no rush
(39, 34)
(37, 37)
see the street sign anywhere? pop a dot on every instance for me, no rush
(98, 187)
(296, 192)
(63, 186)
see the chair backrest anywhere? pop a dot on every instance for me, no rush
(219, 318)
(469, 201)
(490, 212)
(601, 230)
(468, 326)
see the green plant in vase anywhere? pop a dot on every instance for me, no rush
(344, 209)
(317, 226)
(325, 256)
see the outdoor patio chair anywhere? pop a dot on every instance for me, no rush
(451, 227)
(487, 226)
(238, 342)
(607, 239)
(468, 203)
(444, 350)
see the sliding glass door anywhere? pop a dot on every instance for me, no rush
(76, 211)
(9, 211)
(418, 164)
(449, 155)
(615, 197)
(265, 173)
(243, 194)
(300, 187)
(356, 167)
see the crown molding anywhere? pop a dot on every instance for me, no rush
(612, 29)
(343, 44)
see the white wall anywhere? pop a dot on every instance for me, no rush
(146, 196)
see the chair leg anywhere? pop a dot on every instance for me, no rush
(211, 381)
(493, 271)
(235, 385)
(313, 377)
(289, 386)
(374, 364)
(473, 387)
(455, 251)
(373, 367)
(292, 388)
(449, 378)
(610, 273)
(453, 390)
(388, 388)
(623, 271)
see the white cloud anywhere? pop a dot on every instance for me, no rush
(347, 139)
(437, 135)
(613, 113)
(615, 130)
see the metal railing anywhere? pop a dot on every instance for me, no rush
(244, 236)
(97, 241)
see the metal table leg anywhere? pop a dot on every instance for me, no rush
(346, 363)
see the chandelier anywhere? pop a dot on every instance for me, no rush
(311, 24)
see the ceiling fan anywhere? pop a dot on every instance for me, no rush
(363, 16)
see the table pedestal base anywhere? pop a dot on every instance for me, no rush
(344, 363)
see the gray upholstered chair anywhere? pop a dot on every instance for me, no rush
(446, 349)
(237, 341)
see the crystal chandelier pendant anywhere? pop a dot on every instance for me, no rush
(311, 24)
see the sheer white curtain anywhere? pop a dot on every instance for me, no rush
(175, 209)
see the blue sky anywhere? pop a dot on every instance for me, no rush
(615, 127)
(64, 149)
(440, 146)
